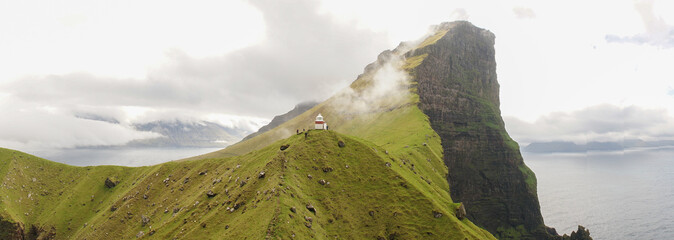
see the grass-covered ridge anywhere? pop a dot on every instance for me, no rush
(358, 191)
(388, 180)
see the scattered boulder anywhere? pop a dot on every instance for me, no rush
(113, 208)
(371, 213)
(388, 164)
(187, 179)
(293, 209)
(437, 214)
(308, 224)
(322, 181)
(327, 169)
(461, 212)
(309, 219)
(309, 176)
(261, 175)
(111, 182)
(311, 208)
(140, 234)
(211, 194)
(243, 182)
(341, 144)
(204, 172)
(284, 147)
(144, 220)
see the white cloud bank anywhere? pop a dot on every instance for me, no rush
(604, 123)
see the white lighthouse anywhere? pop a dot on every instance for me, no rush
(320, 123)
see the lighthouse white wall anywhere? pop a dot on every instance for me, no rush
(320, 124)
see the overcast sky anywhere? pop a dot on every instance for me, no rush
(242, 62)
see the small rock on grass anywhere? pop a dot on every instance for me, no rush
(111, 182)
(311, 208)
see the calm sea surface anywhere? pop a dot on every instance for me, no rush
(616, 195)
(124, 156)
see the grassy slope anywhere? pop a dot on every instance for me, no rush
(402, 197)
(399, 208)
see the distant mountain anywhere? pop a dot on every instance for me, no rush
(95, 117)
(280, 119)
(187, 134)
(570, 147)
(179, 133)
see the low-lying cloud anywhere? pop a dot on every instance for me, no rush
(387, 84)
(32, 129)
(658, 32)
(301, 58)
(524, 13)
(605, 123)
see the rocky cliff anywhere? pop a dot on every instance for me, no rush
(459, 92)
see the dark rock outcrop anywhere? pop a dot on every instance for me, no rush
(460, 212)
(111, 182)
(459, 92)
(11, 230)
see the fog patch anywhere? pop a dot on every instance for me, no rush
(658, 32)
(385, 86)
(33, 129)
(524, 13)
(600, 123)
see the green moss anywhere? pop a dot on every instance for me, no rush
(530, 177)
(432, 39)
(512, 233)
(413, 62)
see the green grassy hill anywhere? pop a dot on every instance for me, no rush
(357, 191)
(387, 180)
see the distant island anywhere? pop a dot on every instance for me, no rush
(571, 147)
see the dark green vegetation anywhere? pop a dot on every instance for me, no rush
(381, 172)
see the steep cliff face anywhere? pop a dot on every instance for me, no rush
(459, 92)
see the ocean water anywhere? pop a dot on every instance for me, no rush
(119, 156)
(616, 195)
